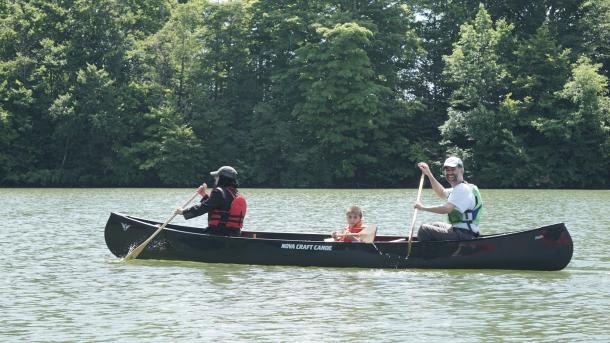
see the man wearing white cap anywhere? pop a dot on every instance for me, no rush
(463, 205)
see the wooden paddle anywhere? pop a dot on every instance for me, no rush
(421, 185)
(138, 250)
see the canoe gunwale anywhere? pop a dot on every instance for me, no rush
(176, 228)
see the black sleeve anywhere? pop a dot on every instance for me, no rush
(208, 203)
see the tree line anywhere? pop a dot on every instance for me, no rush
(341, 93)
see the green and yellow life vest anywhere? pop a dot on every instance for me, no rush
(469, 216)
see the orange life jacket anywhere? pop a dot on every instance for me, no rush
(355, 229)
(234, 217)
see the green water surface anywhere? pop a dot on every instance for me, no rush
(61, 284)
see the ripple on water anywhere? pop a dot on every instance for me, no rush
(60, 283)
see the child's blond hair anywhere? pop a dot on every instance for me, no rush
(354, 210)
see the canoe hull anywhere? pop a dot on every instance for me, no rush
(546, 248)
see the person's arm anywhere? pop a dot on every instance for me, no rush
(339, 237)
(458, 200)
(441, 209)
(208, 203)
(436, 186)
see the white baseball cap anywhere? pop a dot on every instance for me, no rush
(453, 162)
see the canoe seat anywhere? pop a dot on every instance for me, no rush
(367, 235)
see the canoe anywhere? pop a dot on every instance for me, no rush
(545, 248)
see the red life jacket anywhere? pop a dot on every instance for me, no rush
(234, 217)
(355, 229)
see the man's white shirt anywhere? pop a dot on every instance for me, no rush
(463, 199)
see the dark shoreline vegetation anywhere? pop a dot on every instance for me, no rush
(277, 188)
(316, 94)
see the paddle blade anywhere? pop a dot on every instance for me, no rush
(135, 252)
(138, 250)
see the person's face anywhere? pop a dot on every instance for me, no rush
(453, 174)
(216, 179)
(352, 218)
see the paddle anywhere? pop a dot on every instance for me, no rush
(138, 250)
(421, 185)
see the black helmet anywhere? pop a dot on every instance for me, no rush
(226, 171)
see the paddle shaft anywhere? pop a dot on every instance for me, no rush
(138, 250)
(421, 185)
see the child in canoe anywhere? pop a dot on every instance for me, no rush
(353, 215)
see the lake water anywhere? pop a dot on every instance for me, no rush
(61, 284)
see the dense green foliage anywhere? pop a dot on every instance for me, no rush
(303, 93)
